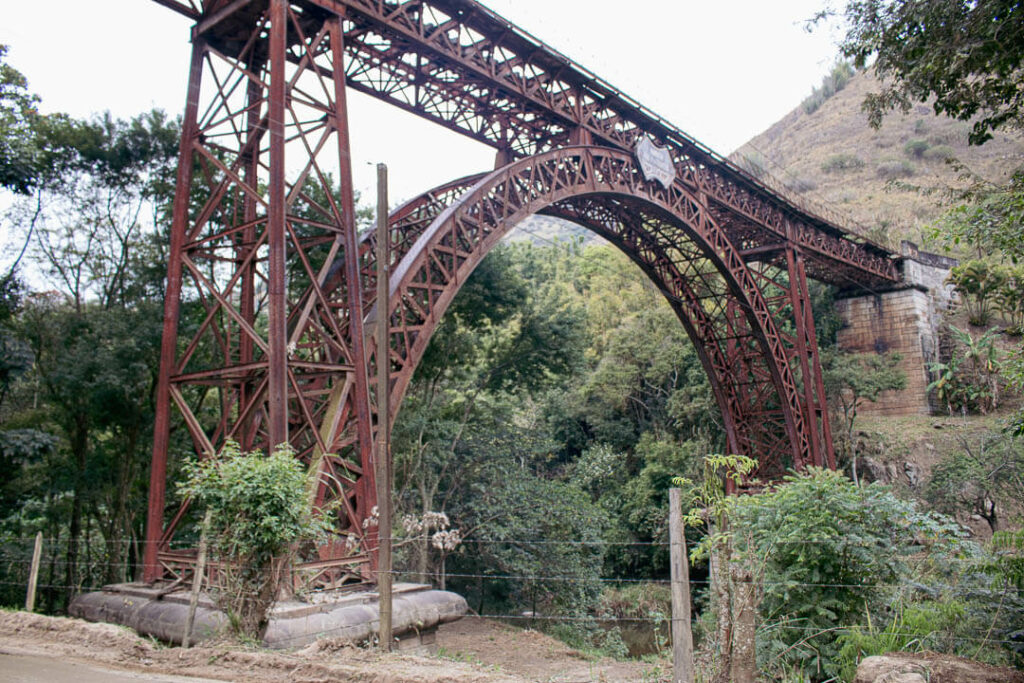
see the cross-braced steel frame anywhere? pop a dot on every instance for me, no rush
(271, 296)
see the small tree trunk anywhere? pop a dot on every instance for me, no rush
(720, 561)
(743, 662)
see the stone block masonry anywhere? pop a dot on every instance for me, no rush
(906, 321)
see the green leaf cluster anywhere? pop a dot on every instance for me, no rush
(259, 509)
(970, 379)
(831, 552)
(261, 504)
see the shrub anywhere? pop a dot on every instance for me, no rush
(890, 170)
(970, 379)
(978, 283)
(832, 83)
(952, 133)
(939, 153)
(1010, 300)
(259, 510)
(842, 162)
(832, 553)
(802, 184)
(916, 148)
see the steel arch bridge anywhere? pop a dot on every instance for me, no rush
(267, 248)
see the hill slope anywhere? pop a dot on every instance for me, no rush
(834, 157)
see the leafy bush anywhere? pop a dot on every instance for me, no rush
(842, 162)
(916, 148)
(981, 477)
(1009, 300)
(832, 83)
(259, 509)
(912, 628)
(890, 170)
(978, 283)
(831, 554)
(939, 153)
(969, 380)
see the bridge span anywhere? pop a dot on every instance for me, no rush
(266, 244)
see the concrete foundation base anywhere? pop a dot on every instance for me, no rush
(417, 612)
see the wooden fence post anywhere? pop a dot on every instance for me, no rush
(383, 447)
(33, 573)
(682, 635)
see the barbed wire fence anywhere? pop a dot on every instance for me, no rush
(16, 557)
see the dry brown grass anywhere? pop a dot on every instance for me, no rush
(801, 145)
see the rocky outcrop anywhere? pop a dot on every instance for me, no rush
(929, 667)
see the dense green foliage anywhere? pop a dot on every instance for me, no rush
(970, 379)
(983, 477)
(830, 554)
(850, 380)
(554, 405)
(78, 359)
(19, 155)
(259, 509)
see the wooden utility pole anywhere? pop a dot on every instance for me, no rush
(33, 573)
(682, 637)
(383, 460)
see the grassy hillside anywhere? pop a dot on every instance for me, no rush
(832, 156)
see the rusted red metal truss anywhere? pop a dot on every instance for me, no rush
(264, 241)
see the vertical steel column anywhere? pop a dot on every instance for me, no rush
(360, 394)
(172, 309)
(277, 297)
(810, 360)
(806, 345)
(247, 308)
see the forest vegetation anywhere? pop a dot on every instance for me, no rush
(558, 402)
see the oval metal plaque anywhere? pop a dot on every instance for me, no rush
(655, 162)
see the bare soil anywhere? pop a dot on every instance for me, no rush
(473, 649)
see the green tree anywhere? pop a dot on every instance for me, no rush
(1010, 300)
(979, 283)
(501, 344)
(731, 574)
(19, 119)
(851, 379)
(965, 58)
(94, 342)
(970, 379)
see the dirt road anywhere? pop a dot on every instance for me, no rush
(44, 669)
(471, 650)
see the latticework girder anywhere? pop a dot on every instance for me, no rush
(280, 290)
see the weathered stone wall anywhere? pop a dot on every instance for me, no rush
(906, 321)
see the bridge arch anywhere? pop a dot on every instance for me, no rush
(668, 232)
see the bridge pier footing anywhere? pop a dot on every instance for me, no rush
(350, 617)
(906, 321)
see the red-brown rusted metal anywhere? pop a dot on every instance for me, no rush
(265, 254)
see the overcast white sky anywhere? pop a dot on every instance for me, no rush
(723, 71)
